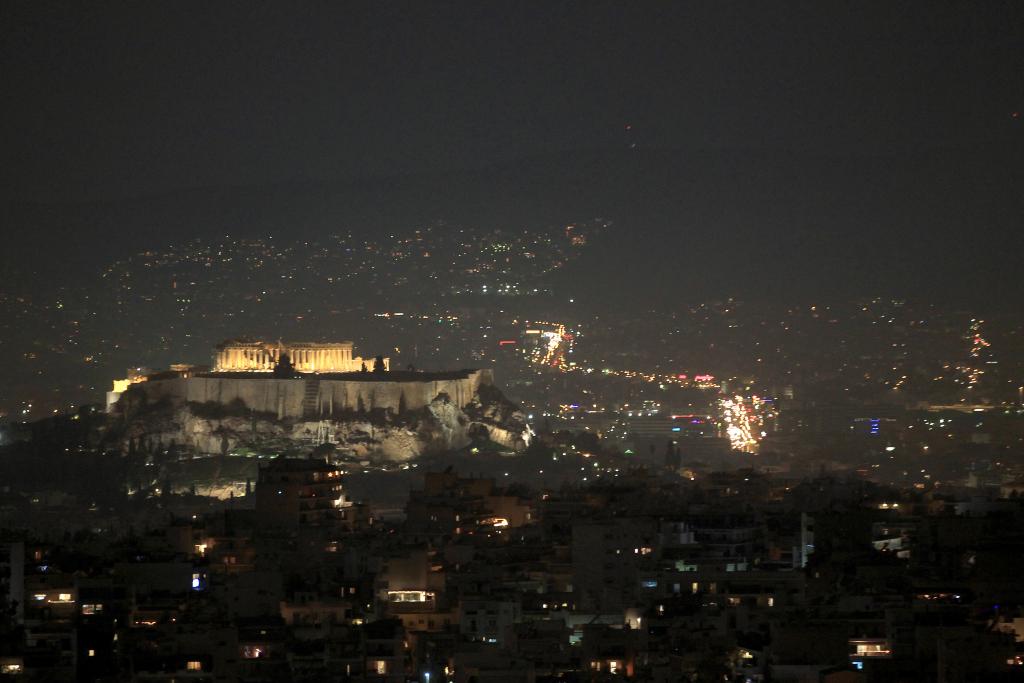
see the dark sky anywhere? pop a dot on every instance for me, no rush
(855, 147)
(117, 99)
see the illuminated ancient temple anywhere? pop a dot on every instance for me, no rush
(238, 355)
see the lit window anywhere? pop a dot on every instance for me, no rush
(871, 648)
(194, 665)
(381, 667)
(410, 596)
(64, 597)
(92, 653)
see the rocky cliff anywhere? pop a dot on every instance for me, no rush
(196, 429)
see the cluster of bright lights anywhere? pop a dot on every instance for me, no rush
(744, 420)
(558, 342)
(973, 372)
(552, 347)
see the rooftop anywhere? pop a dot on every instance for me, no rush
(283, 464)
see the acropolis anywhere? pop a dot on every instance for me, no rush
(325, 379)
(239, 355)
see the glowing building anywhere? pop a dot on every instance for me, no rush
(240, 355)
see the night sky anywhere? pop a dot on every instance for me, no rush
(876, 144)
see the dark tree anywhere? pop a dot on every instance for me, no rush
(672, 456)
(284, 368)
(378, 364)
(324, 451)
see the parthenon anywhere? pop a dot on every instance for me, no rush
(314, 357)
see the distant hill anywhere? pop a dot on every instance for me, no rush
(689, 224)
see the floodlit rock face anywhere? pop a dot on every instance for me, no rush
(502, 419)
(306, 396)
(214, 428)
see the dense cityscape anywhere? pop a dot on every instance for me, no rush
(513, 343)
(723, 491)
